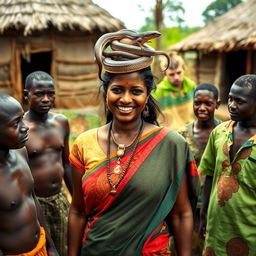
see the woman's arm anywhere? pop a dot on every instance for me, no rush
(65, 154)
(206, 197)
(181, 220)
(77, 218)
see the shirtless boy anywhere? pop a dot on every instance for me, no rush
(48, 152)
(21, 225)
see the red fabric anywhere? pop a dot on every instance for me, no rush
(159, 245)
(193, 168)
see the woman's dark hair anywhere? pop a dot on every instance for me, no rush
(148, 78)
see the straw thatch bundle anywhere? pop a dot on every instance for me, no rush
(38, 15)
(234, 30)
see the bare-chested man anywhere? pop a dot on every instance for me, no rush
(21, 225)
(48, 152)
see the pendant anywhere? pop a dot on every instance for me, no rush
(117, 169)
(113, 191)
(120, 150)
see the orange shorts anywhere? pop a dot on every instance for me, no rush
(40, 249)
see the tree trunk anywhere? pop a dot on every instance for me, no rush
(158, 12)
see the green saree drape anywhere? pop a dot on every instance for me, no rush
(124, 224)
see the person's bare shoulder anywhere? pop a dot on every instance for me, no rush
(60, 118)
(25, 118)
(148, 127)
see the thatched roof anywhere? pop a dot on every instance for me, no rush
(234, 30)
(37, 15)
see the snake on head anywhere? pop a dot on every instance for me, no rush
(129, 45)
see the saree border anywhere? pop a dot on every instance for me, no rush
(156, 138)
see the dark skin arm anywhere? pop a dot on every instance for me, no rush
(65, 154)
(51, 250)
(206, 197)
(181, 221)
(49, 243)
(77, 218)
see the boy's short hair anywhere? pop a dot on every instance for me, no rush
(175, 61)
(37, 75)
(209, 87)
(247, 81)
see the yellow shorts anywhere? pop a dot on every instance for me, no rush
(40, 249)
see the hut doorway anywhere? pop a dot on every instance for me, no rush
(235, 67)
(35, 61)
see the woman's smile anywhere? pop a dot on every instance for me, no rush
(125, 110)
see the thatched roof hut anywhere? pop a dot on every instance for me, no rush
(56, 36)
(226, 47)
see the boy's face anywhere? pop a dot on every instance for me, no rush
(14, 133)
(241, 103)
(41, 96)
(204, 105)
(175, 76)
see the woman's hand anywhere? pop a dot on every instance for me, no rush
(181, 220)
(77, 218)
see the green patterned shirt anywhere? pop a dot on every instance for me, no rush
(231, 218)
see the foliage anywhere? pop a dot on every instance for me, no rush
(170, 35)
(169, 14)
(174, 12)
(171, 11)
(218, 8)
(175, 34)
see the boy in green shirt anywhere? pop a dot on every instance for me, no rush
(229, 161)
(175, 94)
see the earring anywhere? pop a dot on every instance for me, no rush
(145, 112)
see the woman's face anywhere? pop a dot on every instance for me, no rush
(126, 97)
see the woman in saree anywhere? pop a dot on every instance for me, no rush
(135, 183)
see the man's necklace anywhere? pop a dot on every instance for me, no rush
(120, 153)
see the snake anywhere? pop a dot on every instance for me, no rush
(138, 52)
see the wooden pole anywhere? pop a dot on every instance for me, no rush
(218, 71)
(158, 13)
(197, 67)
(54, 68)
(249, 61)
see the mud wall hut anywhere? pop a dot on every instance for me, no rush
(56, 36)
(225, 49)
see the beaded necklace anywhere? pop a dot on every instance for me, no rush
(121, 148)
(120, 152)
